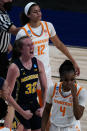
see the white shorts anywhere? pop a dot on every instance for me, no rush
(75, 127)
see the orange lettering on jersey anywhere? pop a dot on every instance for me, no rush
(62, 102)
(40, 41)
(63, 110)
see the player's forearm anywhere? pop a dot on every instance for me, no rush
(77, 109)
(15, 105)
(66, 52)
(44, 92)
(45, 119)
(14, 30)
(60, 45)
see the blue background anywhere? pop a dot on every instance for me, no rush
(71, 27)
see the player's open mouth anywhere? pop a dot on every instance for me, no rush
(31, 52)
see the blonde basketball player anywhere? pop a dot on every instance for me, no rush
(67, 100)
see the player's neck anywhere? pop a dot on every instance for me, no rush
(65, 89)
(27, 63)
(34, 24)
(25, 59)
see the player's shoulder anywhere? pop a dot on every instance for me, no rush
(21, 33)
(80, 89)
(48, 23)
(56, 86)
(13, 67)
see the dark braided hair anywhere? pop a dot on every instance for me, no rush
(65, 67)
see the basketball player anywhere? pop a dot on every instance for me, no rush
(67, 100)
(26, 69)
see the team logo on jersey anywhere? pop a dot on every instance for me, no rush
(29, 32)
(22, 69)
(35, 66)
(57, 92)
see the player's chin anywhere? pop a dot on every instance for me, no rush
(68, 88)
(39, 18)
(32, 55)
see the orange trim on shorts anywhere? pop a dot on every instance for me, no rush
(77, 128)
(54, 90)
(47, 29)
(33, 32)
(39, 94)
(25, 31)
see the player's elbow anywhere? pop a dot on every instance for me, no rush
(78, 116)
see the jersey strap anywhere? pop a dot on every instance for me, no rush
(47, 29)
(25, 31)
(54, 90)
(35, 33)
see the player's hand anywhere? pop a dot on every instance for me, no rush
(73, 89)
(39, 112)
(27, 114)
(77, 69)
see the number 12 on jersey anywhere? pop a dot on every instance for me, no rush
(41, 49)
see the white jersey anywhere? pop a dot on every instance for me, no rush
(40, 37)
(5, 129)
(62, 104)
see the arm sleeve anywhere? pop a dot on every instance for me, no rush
(49, 95)
(51, 29)
(1, 82)
(20, 34)
(5, 22)
(82, 97)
